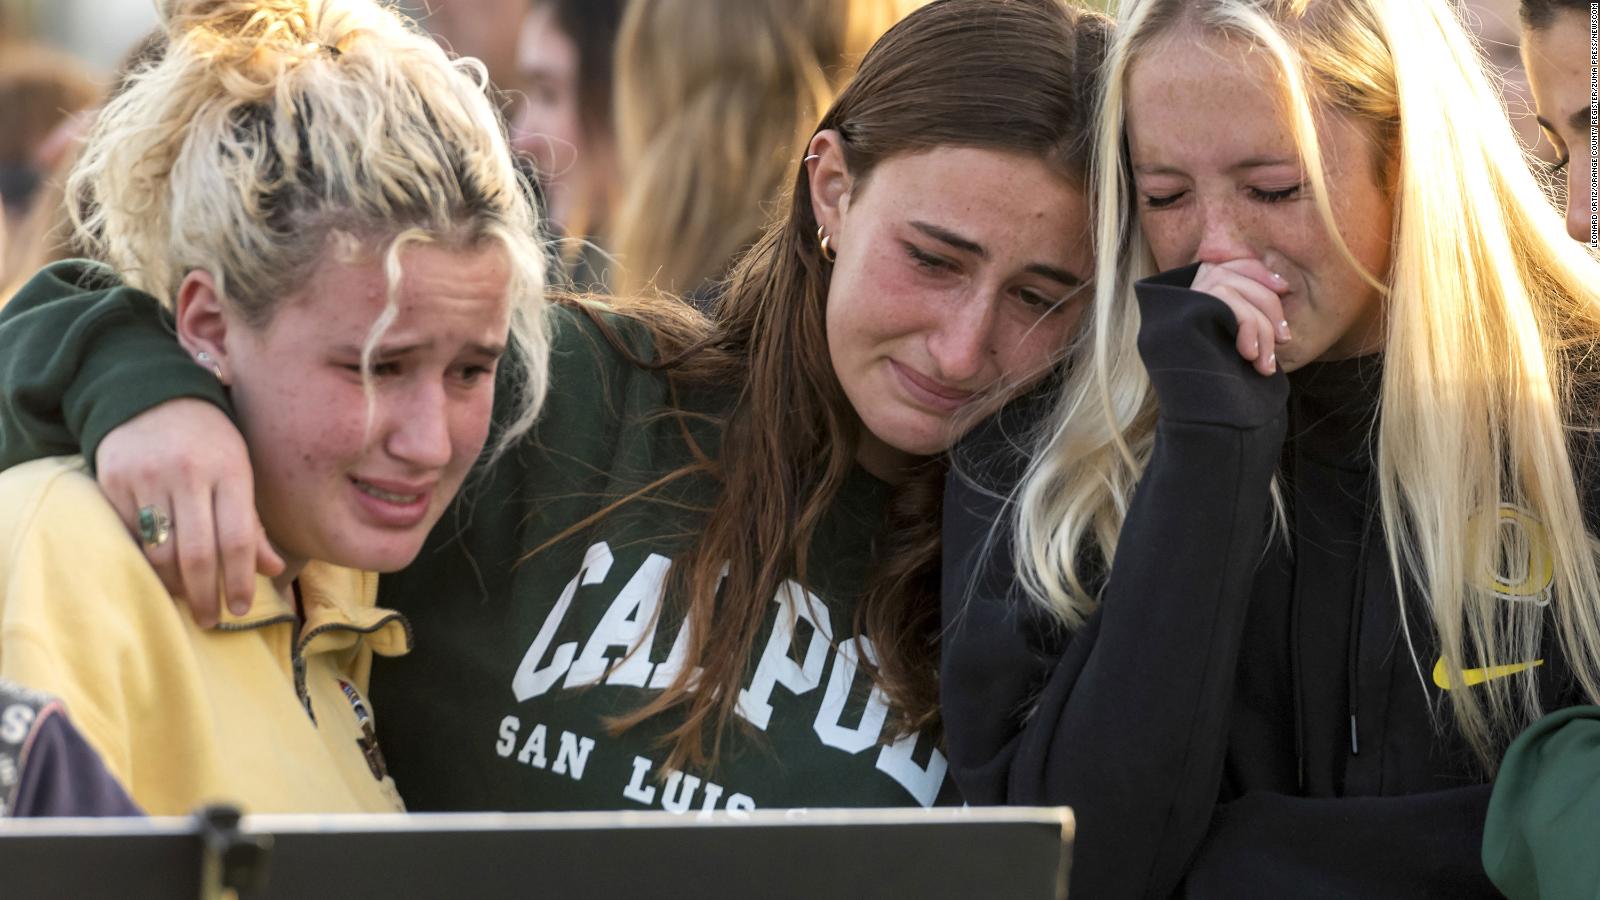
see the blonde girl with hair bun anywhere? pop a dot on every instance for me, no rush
(1276, 630)
(714, 102)
(324, 206)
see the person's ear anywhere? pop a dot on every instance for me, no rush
(203, 323)
(830, 180)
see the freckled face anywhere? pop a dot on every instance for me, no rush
(332, 484)
(958, 270)
(1219, 178)
(1557, 58)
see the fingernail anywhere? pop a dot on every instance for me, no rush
(1282, 282)
(1283, 330)
(1272, 361)
(239, 607)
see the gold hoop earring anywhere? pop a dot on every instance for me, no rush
(827, 251)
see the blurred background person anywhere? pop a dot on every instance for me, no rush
(714, 102)
(484, 29)
(562, 121)
(1495, 24)
(43, 93)
(1555, 48)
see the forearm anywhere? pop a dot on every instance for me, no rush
(78, 358)
(1131, 729)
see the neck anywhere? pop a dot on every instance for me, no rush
(292, 567)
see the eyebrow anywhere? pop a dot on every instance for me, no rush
(946, 236)
(393, 350)
(1254, 162)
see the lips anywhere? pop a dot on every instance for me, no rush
(394, 504)
(928, 392)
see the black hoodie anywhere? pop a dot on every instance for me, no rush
(1242, 717)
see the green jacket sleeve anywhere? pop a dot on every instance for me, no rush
(1544, 816)
(81, 354)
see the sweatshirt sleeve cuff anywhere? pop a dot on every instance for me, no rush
(1186, 339)
(141, 368)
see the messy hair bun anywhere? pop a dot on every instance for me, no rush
(270, 126)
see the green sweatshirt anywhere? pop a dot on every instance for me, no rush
(521, 658)
(1544, 816)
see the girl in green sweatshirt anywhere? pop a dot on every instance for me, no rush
(707, 577)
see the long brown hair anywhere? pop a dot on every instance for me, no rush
(1013, 75)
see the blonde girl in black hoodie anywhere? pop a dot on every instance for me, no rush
(1335, 593)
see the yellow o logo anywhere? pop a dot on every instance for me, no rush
(1524, 577)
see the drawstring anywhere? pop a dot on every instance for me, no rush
(1295, 605)
(1358, 608)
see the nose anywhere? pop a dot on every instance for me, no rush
(961, 343)
(1578, 199)
(1222, 236)
(419, 426)
(524, 133)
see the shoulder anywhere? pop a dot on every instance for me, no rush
(601, 371)
(75, 278)
(52, 492)
(589, 334)
(994, 455)
(52, 511)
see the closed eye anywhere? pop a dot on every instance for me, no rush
(1040, 301)
(1153, 202)
(928, 261)
(379, 369)
(1277, 196)
(474, 373)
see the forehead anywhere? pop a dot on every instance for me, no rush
(542, 47)
(442, 292)
(1557, 58)
(1203, 96)
(968, 184)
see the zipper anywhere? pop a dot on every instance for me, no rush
(301, 639)
(298, 665)
(297, 662)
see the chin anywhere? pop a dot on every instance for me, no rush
(376, 553)
(919, 441)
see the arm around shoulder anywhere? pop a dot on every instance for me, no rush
(79, 355)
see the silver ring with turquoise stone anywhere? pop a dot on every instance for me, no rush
(154, 526)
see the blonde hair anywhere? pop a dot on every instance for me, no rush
(1488, 308)
(271, 129)
(714, 104)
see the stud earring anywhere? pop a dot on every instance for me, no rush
(204, 359)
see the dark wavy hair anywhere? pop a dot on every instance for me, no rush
(1539, 14)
